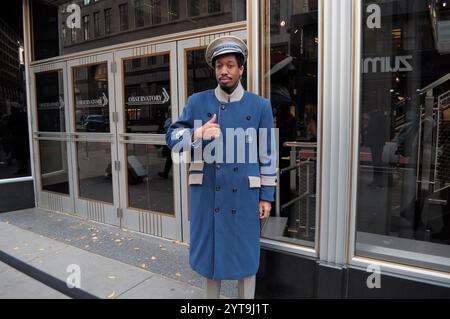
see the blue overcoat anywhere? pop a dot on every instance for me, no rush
(225, 192)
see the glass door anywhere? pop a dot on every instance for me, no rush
(147, 100)
(52, 156)
(196, 76)
(93, 131)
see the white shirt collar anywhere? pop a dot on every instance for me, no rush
(235, 96)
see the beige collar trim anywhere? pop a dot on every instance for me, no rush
(235, 96)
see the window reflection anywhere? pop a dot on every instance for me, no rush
(94, 171)
(147, 93)
(291, 79)
(404, 164)
(50, 101)
(91, 98)
(146, 189)
(14, 145)
(54, 166)
(56, 31)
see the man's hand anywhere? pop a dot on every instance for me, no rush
(264, 209)
(208, 131)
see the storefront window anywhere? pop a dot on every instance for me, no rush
(290, 81)
(403, 204)
(63, 27)
(14, 145)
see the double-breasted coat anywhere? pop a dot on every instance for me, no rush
(225, 192)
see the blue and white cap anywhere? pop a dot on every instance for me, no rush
(224, 45)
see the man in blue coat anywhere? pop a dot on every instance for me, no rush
(229, 136)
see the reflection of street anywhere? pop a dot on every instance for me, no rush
(151, 192)
(94, 169)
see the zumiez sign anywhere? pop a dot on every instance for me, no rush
(385, 63)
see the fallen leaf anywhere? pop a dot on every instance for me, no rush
(143, 266)
(117, 240)
(177, 274)
(136, 248)
(94, 238)
(111, 295)
(153, 258)
(163, 249)
(124, 229)
(112, 277)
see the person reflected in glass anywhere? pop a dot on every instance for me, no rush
(281, 72)
(165, 150)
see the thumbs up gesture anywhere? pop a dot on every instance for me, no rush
(208, 131)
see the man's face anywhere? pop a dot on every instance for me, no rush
(228, 72)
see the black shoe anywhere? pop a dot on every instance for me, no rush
(163, 175)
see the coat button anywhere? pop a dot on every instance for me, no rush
(209, 114)
(234, 190)
(233, 211)
(218, 166)
(235, 169)
(223, 107)
(217, 188)
(248, 117)
(216, 209)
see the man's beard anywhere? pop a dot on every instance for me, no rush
(229, 89)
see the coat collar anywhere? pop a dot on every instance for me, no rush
(235, 96)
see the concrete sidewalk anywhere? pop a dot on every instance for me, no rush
(114, 263)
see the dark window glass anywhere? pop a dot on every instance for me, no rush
(291, 84)
(54, 166)
(156, 11)
(193, 7)
(91, 98)
(50, 101)
(86, 28)
(139, 12)
(403, 206)
(96, 24)
(174, 9)
(107, 21)
(14, 138)
(213, 6)
(147, 95)
(45, 30)
(73, 35)
(123, 16)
